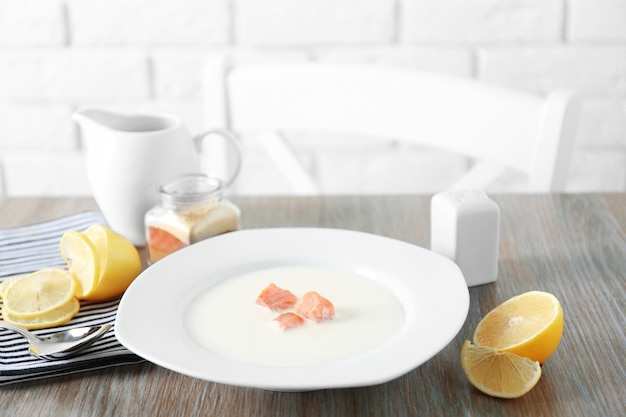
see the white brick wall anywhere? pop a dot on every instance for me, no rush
(32, 23)
(482, 21)
(70, 74)
(305, 22)
(149, 22)
(597, 20)
(147, 55)
(36, 126)
(595, 68)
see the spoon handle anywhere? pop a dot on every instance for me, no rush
(28, 335)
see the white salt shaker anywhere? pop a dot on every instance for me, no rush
(465, 227)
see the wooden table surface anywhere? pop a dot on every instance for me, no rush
(571, 245)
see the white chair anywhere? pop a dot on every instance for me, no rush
(498, 128)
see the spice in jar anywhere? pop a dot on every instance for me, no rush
(192, 208)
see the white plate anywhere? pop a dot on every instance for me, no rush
(430, 287)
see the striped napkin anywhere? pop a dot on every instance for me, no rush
(26, 249)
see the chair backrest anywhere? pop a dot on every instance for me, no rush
(499, 127)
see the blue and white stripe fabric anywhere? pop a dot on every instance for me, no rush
(27, 249)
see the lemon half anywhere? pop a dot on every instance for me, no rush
(104, 262)
(529, 325)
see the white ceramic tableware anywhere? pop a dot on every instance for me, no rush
(465, 227)
(129, 156)
(429, 287)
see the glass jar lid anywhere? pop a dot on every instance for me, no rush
(191, 188)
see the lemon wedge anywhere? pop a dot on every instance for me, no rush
(83, 263)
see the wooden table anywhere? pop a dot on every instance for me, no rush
(571, 245)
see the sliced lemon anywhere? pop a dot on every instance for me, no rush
(499, 374)
(529, 325)
(51, 318)
(82, 261)
(4, 285)
(37, 293)
(119, 261)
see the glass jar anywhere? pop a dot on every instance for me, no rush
(192, 208)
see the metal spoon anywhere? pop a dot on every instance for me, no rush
(62, 344)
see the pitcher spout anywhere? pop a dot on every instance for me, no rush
(100, 119)
(92, 117)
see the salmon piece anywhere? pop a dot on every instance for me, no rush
(276, 298)
(288, 320)
(314, 307)
(161, 243)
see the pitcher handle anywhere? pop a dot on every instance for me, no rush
(231, 138)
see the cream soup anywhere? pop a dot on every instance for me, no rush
(226, 320)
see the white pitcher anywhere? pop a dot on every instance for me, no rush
(129, 156)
